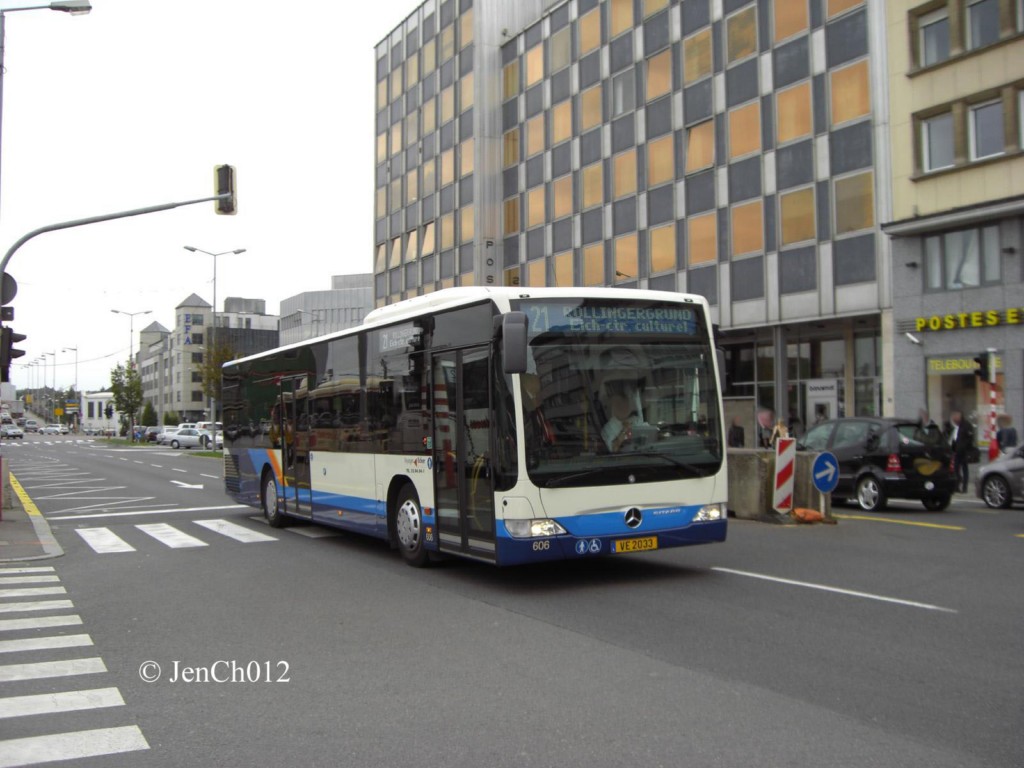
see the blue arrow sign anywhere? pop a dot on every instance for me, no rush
(825, 472)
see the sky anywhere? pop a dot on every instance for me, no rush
(132, 106)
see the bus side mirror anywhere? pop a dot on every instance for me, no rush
(513, 348)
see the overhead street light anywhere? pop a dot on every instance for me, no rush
(131, 330)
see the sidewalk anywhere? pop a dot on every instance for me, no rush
(24, 532)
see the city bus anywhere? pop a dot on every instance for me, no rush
(506, 425)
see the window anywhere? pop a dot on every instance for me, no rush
(835, 7)
(447, 43)
(624, 173)
(511, 215)
(535, 135)
(412, 72)
(447, 231)
(381, 207)
(620, 16)
(428, 239)
(465, 92)
(593, 185)
(411, 187)
(510, 80)
(429, 56)
(396, 253)
(593, 264)
(563, 269)
(561, 122)
(535, 206)
(466, 159)
(985, 130)
(703, 235)
(559, 49)
(379, 263)
(429, 180)
(700, 146)
(534, 65)
(382, 147)
(982, 23)
(747, 228)
(697, 56)
(793, 112)
(590, 108)
(933, 37)
(447, 167)
(410, 247)
(626, 259)
(661, 165)
(937, 142)
(623, 93)
(447, 104)
(466, 224)
(197, 396)
(197, 338)
(535, 273)
(197, 357)
(745, 130)
(562, 196)
(382, 94)
(663, 248)
(412, 128)
(850, 96)
(511, 149)
(396, 194)
(855, 203)
(790, 18)
(659, 74)
(590, 31)
(741, 34)
(796, 216)
(466, 28)
(396, 83)
(429, 116)
(396, 138)
(965, 258)
(653, 6)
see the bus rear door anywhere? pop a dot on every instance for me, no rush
(297, 434)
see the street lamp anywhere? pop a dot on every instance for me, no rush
(53, 417)
(74, 7)
(131, 330)
(213, 330)
(78, 415)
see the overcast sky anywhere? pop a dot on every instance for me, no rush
(132, 106)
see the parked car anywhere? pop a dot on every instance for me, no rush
(151, 434)
(63, 429)
(164, 437)
(882, 459)
(31, 425)
(191, 437)
(12, 431)
(50, 429)
(1000, 482)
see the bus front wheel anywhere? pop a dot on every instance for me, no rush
(270, 506)
(409, 527)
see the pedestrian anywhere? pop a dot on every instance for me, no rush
(765, 418)
(735, 436)
(961, 439)
(1006, 435)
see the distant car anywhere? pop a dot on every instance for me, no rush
(31, 425)
(50, 429)
(164, 437)
(64, 429)
(882, 459)
(151, 434)
(1001, 482)
(191, 437)
(12, 431)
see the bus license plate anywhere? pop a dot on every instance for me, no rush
(634, 545)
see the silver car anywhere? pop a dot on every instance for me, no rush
(1000, 482)
(190, 437)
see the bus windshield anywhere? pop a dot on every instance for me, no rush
(618, 393)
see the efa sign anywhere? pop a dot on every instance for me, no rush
(984, 318)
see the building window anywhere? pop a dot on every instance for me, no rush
(659, 74)
(626, 258)
(411, 188)
(561, 122)
(411, 244)
(412, 125)
(429, 177)
(382, 147)
(534, 65)
(535, 135)
(590, 31)
(535, 206)
(793, 112)
(466, 224)
(511, 148)
(447, 167)
(412, 72)
(379, 264)
(835, 7)
(396, 253)
(700, 146)
(429, 57)
(624, 173)
(429, 116)
(510, 80)
(396, 138)
(653, 6)
(985, 130)
(747, 228)
(982, 23)
(663, 248)
(559, 49)
(850, 94)
(447, 231)
(465, 92)
(466, 157)
(855, 203)
(697, 56)
(511, 215)
(447, 104)
(703, 235)
(593, 264)
(466, 28)
(741, 34)
(197, 357)
(561, 190)
(937, 142)
(661, 165)
(197, 396)
(197, 377)
(745, 130)
(620, 16)
(428, 239)
(197, 338)
(590, 108)
(964, 258)
(790, 18)
(623, 93)
(197, 319)
(562, 263)
(593, 185)
(382, 94)
(796, 216)
(933, 37)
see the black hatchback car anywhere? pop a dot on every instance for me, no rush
(882, 459)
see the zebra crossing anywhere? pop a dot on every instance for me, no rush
(28, 615)
(104, 541)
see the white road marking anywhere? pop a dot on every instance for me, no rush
(28, 579)
(71, 746)
(40, 622)
(44, 643)
(171, 536)
(149, 512)
(32, 591)
(36, 605)
(837, 590)
(236, 532)
(104, 541)
(46, 569)
(44, 669)
(63, 701)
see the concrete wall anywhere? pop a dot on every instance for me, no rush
(752, 485)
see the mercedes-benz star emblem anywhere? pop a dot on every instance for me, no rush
(634, 517)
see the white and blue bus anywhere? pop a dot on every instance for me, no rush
(508, 425)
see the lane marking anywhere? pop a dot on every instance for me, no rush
(836, 590)
(151, 512)
(312, 531)
(44, 643)
(63, 701)
(212, 477)
(104, 541)
(28, 579)
(171, 536)
(40, 622)
(901, 522)
(42, 669)
(236, 532)
(32, 591)
(71, 746)
(36, 605)
(40, 569)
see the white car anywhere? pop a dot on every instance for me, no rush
(13, 432)
(191, 437)
(164, 437)
(50, 429)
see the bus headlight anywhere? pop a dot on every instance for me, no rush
(529, 529)
(709, 512)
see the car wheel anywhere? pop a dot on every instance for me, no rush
(995, 491)
(936, 503)
(271, 511)
(174, 444)
(409, 527)
(870, 496)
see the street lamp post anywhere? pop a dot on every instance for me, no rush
(53, 416)
(213, 330)
(78, 414)
(74, 7)
(131, 356)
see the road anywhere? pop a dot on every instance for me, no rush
(890, 639)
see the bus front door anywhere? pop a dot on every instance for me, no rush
(462, 434)
(295, 447)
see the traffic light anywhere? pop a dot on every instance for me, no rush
(8, 338)
(982, 370)
(224, 182)
(110, 411)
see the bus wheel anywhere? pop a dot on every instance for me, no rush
(409, 527)
(270, 507)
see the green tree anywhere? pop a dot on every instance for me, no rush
(149, 415)
(220, 352)
(126, 385)
(171, 418)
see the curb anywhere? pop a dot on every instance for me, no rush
(42, 529)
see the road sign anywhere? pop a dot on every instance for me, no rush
(785, 463)
(825, 472)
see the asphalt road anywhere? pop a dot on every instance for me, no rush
(890, 639)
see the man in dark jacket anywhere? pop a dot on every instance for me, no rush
(961, 440)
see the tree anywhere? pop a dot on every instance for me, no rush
(220, 352)
(126, 384)
(171, 418)
(149, 414)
